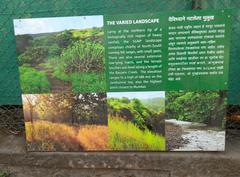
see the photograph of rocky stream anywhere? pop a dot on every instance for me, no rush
(195, 121)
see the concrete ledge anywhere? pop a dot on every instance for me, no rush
(20, 171)
(173, 164)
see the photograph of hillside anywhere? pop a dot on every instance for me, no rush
(66, 122)
(195, 121)
(62, 54)
(136, 121)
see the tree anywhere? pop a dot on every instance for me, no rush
(22, 42)
(130, 110)
(33, 56)
(73, 108)
(30, 102)
(91, 108)
(64, 39)
(205, 107)
(55, 107)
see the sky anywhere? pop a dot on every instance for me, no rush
(56, 24)
(139, 95)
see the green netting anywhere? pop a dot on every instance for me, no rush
(234, 72)
(9, 78)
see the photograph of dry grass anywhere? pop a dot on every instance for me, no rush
(66, 122)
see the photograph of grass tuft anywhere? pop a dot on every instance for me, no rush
(136, 121)
(66, 122)
(195, 121)
(62, 54)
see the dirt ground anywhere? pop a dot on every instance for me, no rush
(174, 136)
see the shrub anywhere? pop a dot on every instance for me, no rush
(83, 57)
(54, 50)
(33, 56)
(91, 34)
(124, 135)
(64, 39)
(23, 41)
(33, 81)
(83, 82)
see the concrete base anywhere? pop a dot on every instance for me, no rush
(15, 160)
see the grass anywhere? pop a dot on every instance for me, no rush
(88, 135)
(33, 81)
(4, 174)
(88, 82)
(124, 135)
(234, 118)
(48, 136)
(86, 33)
(83, 82)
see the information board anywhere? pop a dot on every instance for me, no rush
(129, 82)
(168, 51)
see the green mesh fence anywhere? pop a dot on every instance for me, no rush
(234, 72)
(11, 117)
(9, 78)
(11, 9)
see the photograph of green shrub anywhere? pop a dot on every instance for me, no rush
(195, 121)
(61, 54)
(136, 121)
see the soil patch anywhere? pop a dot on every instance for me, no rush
(174, 136)
(57, 85)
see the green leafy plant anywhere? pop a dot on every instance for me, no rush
(33, 56)
(131, 110)
(33, 81)
(64, 39)
(83, 57)
(203, 107)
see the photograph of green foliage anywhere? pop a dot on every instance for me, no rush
(66, 122)
(195, 121)
(136, 121)
(60, 54)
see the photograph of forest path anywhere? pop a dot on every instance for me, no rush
(136, 121)
(62, 54)
(195, 121)
(66, 122)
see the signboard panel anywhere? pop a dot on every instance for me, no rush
(168, 51)
(132, 82)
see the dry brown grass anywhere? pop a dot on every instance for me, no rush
(234, 118)
(93, 137)
(48, 136)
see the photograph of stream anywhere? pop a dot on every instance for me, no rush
(195, 121)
